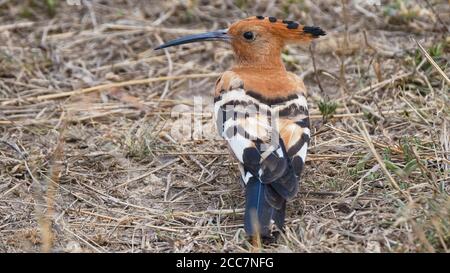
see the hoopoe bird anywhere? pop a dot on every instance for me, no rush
(260, 109)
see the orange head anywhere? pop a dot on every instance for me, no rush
(257, 41)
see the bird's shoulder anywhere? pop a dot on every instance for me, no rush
(228, 81)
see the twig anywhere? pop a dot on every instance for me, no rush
(147, 173)
(16, 26)
(316, 76)
(214, 211)
(84, 241)
(435, 65)
(109, 85)
(444, 26)
(166, 192)
(379, 85)
(362, 139)
(369, 142)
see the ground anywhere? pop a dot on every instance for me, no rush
(92, 159)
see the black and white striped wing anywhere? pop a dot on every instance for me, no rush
(246, 124)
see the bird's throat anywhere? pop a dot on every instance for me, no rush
(261, 63)
(270, 82)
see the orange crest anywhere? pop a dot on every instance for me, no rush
(283, 30)
(260, 39)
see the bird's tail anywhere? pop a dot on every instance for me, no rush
(259, 212)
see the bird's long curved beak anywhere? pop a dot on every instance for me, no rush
(220, 35)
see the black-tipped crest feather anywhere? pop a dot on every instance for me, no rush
(314, 31)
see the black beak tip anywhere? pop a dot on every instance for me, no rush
(157, 48)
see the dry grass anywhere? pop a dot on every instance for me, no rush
(88, 161)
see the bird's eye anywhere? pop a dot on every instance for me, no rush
(249, 35)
